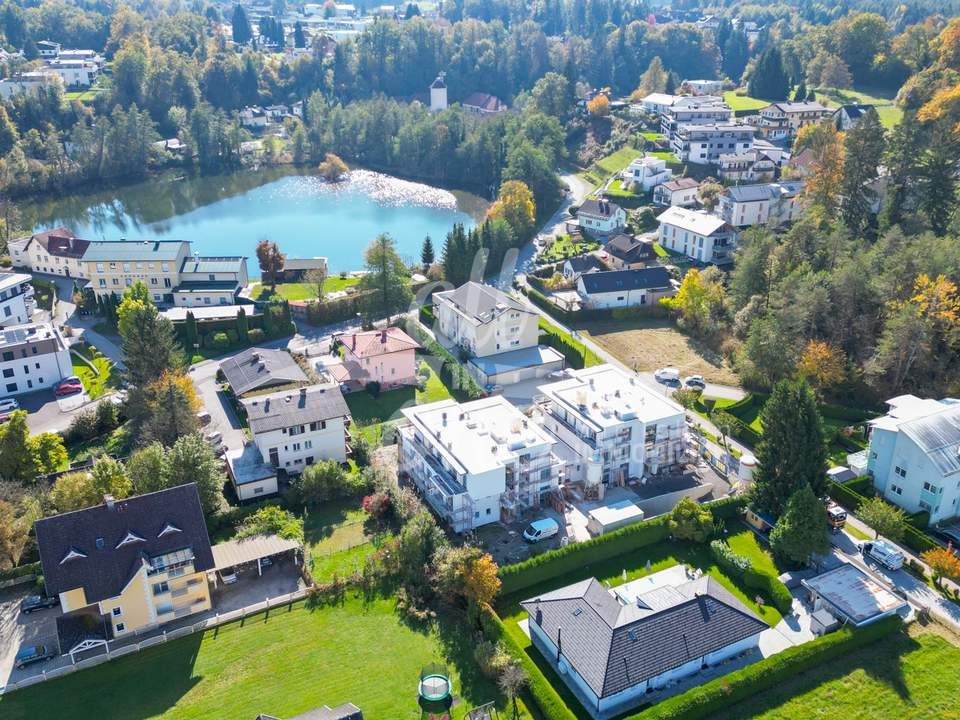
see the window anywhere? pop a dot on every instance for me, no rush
(257, 491)
(160, 588)
(126, 267)
(8, 355)
(116, 281)
(900, 471)
(896, 489)
(8, 372)
(6, 311)
(307, 444)
(121, 627)
(103, 282)
(165, 267)
(12, 387)
(100, 267)
(296, 447)
(925, 506)
(117, 611)
(26, 369)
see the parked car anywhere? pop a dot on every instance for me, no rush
(667, 375)
(949, 536)
(68, 387)
(695, 381)
(541, 530)
(32, 603)
(215, 439)
(34, 654)
(203, 417)
(882, 552)
(228, 575)
(8, 405)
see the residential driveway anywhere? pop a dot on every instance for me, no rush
(49, 414)
(18, 631)
(794, 629)
(217, 403)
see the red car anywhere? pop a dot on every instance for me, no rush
(68, 387)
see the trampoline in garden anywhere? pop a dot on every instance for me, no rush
(434, 689)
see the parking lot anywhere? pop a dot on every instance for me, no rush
(18, 631)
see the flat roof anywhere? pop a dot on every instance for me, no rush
(517, 359)
(616, 512)
(605, 396)
(854, 593)
(249, 549)
(204, 312)
(247, 465)
(477, 436)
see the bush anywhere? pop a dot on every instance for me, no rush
(729, 561)
(919, 520)
(426, 315)
(256, 336)
(770, 587)
(20, 571)
(221, 341)
(708, 700)
(373, 387)
(84, 426)
(862, 485)
(233, 337)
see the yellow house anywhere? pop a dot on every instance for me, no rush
(130, 564)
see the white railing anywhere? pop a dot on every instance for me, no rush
(164, 636)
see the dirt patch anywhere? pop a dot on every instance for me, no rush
(647, 345)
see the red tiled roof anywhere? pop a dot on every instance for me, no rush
(378, 342)
(61, 242)
(487, 103)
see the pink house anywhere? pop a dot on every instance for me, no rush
(385, 356)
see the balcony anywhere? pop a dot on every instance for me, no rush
(588, 440)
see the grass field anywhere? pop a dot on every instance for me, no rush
(95, 382)
(337, 539)
(284, 663)
(611, 164)
(589, 356)
(563, 248)
(648, 343)
(739, 100)
(889, 113)
(906, 676)
(304, 291)
(745, 543)
(661, 556)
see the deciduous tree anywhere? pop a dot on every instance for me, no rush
(191, 459)
(333, 169)
(885, 519)
(943, 564)
(822, 365)
(172, 405)
(653, 80)
(516, 206)
(699, 301)
(599, 106)
(691, 521)
(271, 261)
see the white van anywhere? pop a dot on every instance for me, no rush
(667, 375)
(883, 552)
(541, 530)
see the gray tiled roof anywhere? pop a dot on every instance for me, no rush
(614, 647)
(100, 567)
(260, 368)
(582, 263)
(480, 301)
(628, 248)
(295, 407)
(637, 279)
(127, 250)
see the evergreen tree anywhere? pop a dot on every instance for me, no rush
(190, 331)
(191, 459)
(938, 179)
(387, 278)
(456, 259)
(426, 252)
(863, 149)
(242, 32)
(171, 410)
(769, 79)
(17, 461)
(242, 326)
(269, 322)
(802, 530)
(671, 86)
(299, 39)
(9, 137)
(736, 53)
(800, 94)
(148, 342)
(791, 452)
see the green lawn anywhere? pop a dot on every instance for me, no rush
(81, 95)
(304, 291)
(660, 251)
(888, 112)
(563, 247)
(590, 357)
(283, 663)
(739, 100)
(897, 678)
(95, 382)
(337, 539)
(611, 164)
(745, 543)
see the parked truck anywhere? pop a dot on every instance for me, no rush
(883, 552)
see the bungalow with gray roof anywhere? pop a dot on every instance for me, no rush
(625, 288)
(260, 369)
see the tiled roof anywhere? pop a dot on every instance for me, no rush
(259, 368)
(617, 280)
(212, 264)
(598, 208)
(127, 250)
(582, 263)
(629, 249)
(295, 407)
(83, 549)
(479, 301)
(684, 183)
(379, 342)
(484, 101)
(614, 646)
(60, 242)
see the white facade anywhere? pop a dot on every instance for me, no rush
(704, 87)
(647, 172)
(696, 234)
(704, 143)
(484, 321)
(25, 83)
(16, 299)
(610, 426)
(914, 455)
(477, 462)
(771, 204)
(658, 102)
(33, 356)
(694, 110)
(438, 94)
(683, 192)
(601, 217)
(75, 73)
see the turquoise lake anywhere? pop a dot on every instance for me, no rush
(229, 214)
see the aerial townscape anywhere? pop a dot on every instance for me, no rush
(479, 360)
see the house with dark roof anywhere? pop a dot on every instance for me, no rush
(55, 252)
(387, 357)
(483, 320)
(576, 266)
(295, 428)
(260, 369)
(601, 217)
(483, 104)
(625, 252)
(126, 565)
(294, 269)
(205, 281)
(846, 117)
(625, 288)
(612, 647)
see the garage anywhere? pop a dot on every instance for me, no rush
(250, 554)
(516, 366)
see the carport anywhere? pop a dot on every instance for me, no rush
(249, 550)
(83, 630)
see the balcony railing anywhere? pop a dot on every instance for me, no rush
(589, 440)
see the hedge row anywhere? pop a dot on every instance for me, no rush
(558, 562)
(20, 571)
(913, 538)
(707, 700)
(452, 372)
(539, 689)
(573, 353)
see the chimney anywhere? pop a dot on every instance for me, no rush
(383, 336)
(109, 501)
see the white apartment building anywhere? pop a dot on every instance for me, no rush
(75, 73)
(771, 204)
(610, 426)
(647, 172)
(914, 455)
(295, 428)
(54, 252)
(477, 462)
(694, 111)
(16, 299)
(704, 87)
(783, 119)
(698, 235)
(704, 143)
(25, 83)
(210, 281)
(33, 356)
(484, 321)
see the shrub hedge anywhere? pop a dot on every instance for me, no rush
(20, 571)
(558, 562)
(707, 700)
(539, 689)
